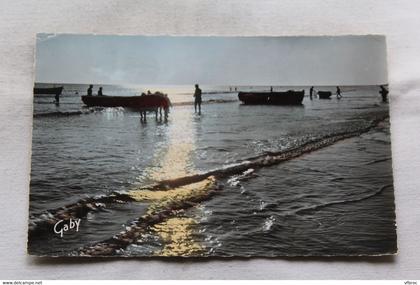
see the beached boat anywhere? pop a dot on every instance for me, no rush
(289, 97)
(49, 90)
(324, 94)
(144, 101)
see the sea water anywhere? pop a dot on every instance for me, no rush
(337, 200)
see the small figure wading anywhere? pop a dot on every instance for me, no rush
(338, 92)
(57, 99)
(384, 93)
(311, 92)
(197, 99)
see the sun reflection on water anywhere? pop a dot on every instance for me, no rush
(175, 160)
(178, 236)
(172, 161)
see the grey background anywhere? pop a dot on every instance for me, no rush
(21, 20)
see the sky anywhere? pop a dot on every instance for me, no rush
(165, 60)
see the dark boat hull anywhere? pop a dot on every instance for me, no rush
(272, 98)
(135, 102)
(47, 91)
(324, 94)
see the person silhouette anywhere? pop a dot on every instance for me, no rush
(311, 92)
(384, 93)
(100, 92)
(197, 99)
(338, 92)
(89, 91)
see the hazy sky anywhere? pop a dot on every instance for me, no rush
(346, 60)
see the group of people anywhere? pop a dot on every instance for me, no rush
(90, 91)
(384, 93)
(337, 92)
(165, 106)
(197, 98)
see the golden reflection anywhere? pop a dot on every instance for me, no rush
(175, 161)
(175, 158)
(174, 197)
(177, 233)
(178, 236)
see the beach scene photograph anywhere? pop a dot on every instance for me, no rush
(182, 146)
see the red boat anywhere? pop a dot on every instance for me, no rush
(289, 97)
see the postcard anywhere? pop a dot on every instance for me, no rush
(148, 146)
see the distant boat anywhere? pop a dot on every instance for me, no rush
(49, 90)
(135, 102)
(324, 94)
(272, 98)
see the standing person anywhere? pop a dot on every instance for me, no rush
(197, 99)
(89, 91)
(338, 92)
(311, 92)
(100, 92)
(384, 93)
(271, 89)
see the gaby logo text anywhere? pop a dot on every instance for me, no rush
(63, 226)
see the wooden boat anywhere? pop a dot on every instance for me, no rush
(48, 90)
(135, 102)
(289, 97)
(254, 98)
(324, 94)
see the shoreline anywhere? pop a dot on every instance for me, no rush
(43, 221)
